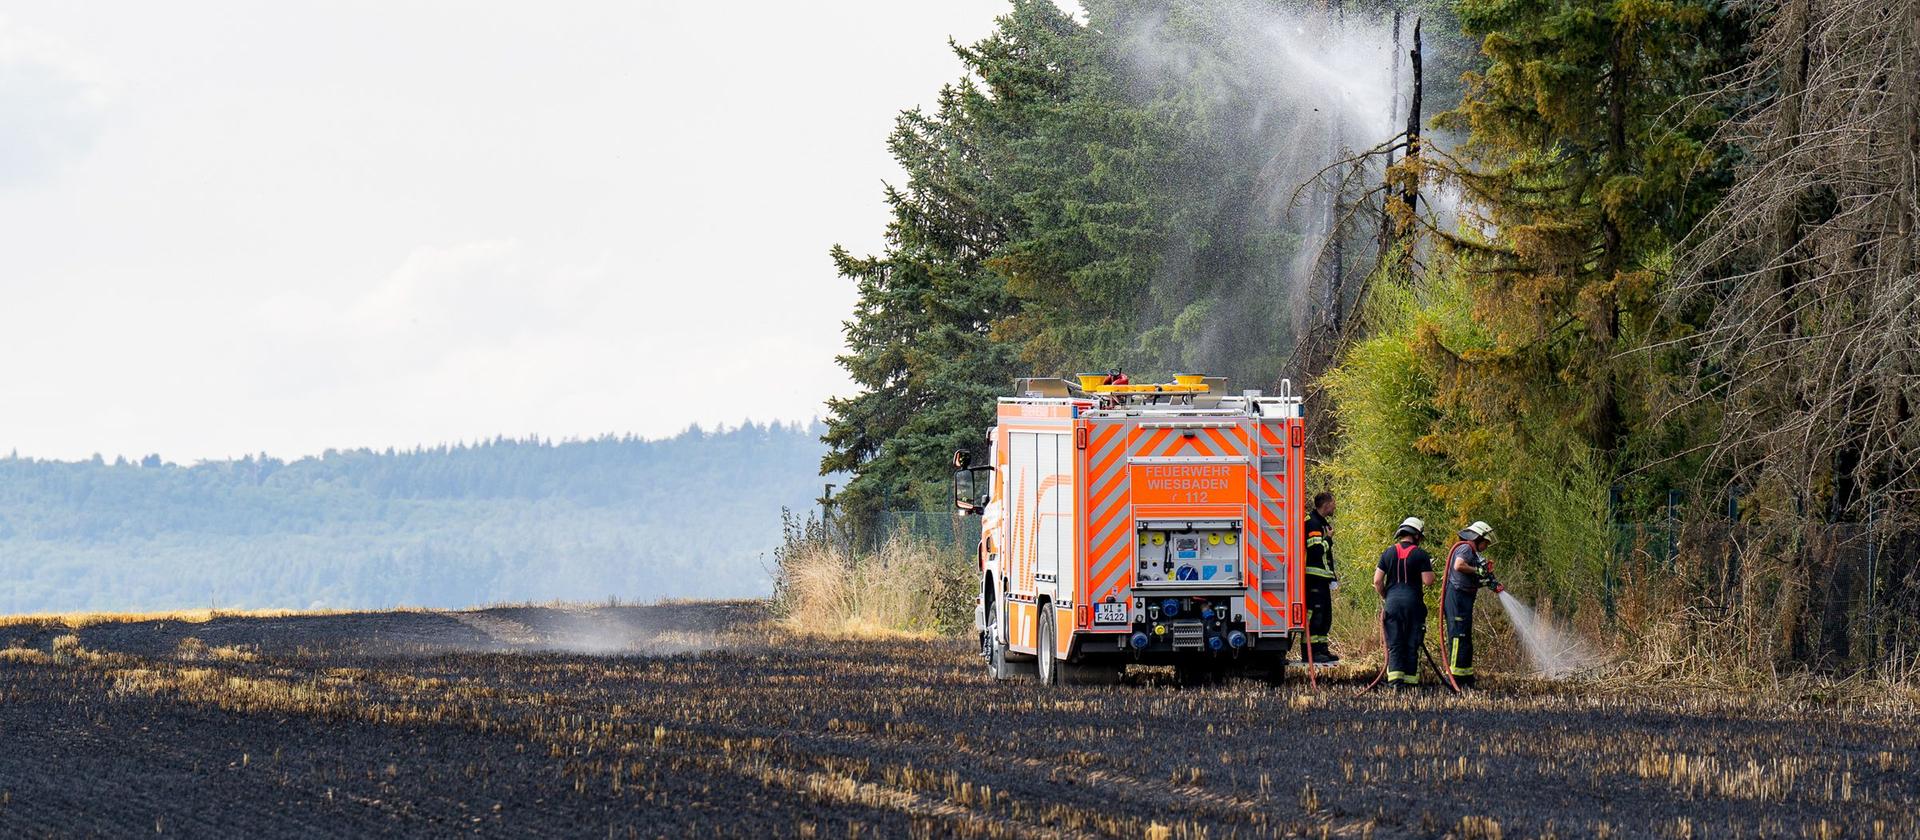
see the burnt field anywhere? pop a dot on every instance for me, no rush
(681, 720)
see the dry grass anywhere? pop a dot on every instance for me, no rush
(78, 620)
(906, 588)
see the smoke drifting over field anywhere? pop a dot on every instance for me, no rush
(590, 631)
(1270, 97)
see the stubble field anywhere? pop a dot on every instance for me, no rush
(700, 719)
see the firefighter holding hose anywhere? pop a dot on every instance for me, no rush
(1468, 571)
(1401, 577)
(1321, 581)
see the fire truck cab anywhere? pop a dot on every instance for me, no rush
(1138, 524)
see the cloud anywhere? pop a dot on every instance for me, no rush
(54, 100)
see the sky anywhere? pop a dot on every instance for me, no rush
(231, 228)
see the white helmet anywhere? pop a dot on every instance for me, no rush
(1479, 530)
(1412, 525)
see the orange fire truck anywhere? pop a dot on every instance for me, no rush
(1138, 524)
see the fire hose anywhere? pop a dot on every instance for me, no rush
(1383, 653)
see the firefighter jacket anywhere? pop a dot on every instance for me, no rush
(1466, 581)
(1319, 566)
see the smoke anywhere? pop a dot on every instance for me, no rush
(1267, 97)
(598, 631)
(1554, 651)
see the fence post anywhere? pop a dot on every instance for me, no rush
(1730, 571)
(1873, 578)
(1673, 543)
(1610, 571)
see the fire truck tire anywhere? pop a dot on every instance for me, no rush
(1048, 666)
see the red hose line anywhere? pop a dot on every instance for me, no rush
(1383, 653)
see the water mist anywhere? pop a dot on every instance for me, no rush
(1554, 651)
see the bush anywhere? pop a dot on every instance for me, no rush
(1407, 447)
(908, 585)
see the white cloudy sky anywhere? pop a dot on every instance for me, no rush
(241, 227)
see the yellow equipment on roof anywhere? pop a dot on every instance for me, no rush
(1183, 383)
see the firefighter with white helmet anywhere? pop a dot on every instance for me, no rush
(1468, 571)
(1401, 577)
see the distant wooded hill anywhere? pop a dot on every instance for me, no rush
(696, 515)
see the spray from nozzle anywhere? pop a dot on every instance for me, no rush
(1554, 651)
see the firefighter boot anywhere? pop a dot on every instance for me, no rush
(1324, 655)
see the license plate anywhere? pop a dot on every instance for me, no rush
(1109, 613)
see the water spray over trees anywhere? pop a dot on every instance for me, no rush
(1626, 260)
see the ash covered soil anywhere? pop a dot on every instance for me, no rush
(699, 719)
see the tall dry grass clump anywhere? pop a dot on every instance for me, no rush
(907, 585)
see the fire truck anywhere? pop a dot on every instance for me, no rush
(1150, 524)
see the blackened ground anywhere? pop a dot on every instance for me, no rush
(690, 719)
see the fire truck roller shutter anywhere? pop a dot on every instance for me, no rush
(1043, 467)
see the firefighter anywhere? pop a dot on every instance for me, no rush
(1468, 570)
(1403, 620)
(1321, 581)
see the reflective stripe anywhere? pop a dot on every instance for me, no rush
(1453, 661)
(1318, 640)
(1410, 679)
(1316, 571)
(1396, 676)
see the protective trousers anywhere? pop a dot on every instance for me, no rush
(1405, 623)
(1458, 613)
(1319, 617)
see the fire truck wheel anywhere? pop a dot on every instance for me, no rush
(1049, 667)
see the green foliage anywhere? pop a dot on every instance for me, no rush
(1495, 387)
(1088, 196)
(1588, 160)
(450, 526)
(920, 344)
(1404, 450)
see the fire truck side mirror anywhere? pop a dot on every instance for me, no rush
(972, 488)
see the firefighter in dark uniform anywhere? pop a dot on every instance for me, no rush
(1401, 577)
(1467, 572)
(1321, 581)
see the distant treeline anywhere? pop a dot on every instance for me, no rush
(503, 520)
